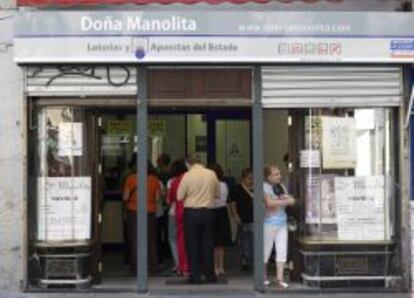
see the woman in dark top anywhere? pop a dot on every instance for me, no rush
(242, 211)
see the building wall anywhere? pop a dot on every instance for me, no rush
(12, 135)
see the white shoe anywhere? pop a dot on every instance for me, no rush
(281, 285)
(266, 283)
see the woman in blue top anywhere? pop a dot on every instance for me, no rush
(275, 230)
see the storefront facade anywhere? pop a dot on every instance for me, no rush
(340, 82)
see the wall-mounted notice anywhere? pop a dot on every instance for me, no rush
(64, 208)
(360, 208)
(338, 143)
(310, 159)
(70, 139)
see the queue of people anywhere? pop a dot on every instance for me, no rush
(198, 225)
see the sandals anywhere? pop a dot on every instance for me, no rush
(280, 285)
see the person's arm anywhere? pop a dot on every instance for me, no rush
(234, 213)
(217, 189)
(127, 192)
(182, 189)
(161, 189)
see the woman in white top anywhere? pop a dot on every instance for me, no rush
(222, 232)
(275, 223)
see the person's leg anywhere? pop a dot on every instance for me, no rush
(152, 243)
(220, 257)
(172, 239)
(269, 239)
(249, 244)
(192, 243)
(216, 266)
(207, 238)
(131, 219)
(182, 256)
(281, 251)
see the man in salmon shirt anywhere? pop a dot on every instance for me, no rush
(130, 198)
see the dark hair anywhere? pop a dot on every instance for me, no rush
(217, 169)
(164, 159)
(133, 162)
(177, 168)
(286, 157)
(151, 169)
(245, 172)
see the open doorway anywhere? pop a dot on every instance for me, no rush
(220, 136)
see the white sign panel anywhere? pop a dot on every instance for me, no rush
(212, 36)
(64, 208)
(310, 159)
(360, 208)
(338, 143)
(70, 139)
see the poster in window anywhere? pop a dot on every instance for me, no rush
(313, 132)
(360, 208)
(64, 208)
(70, 140)
(320, 199)
(338, 143)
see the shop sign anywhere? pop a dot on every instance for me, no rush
(64, 208)
(157, 127)
(360, 208)
(346, 265)
(119, 127)
(213, 36)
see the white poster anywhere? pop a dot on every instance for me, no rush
(310, 159)
(338, 143)
(360, 208)
(64, 208)
(320, 199)
(70, 139)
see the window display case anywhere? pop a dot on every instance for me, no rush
(344, 176)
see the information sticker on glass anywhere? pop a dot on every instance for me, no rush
(64, 208)
(310, 159)
(360, 208)
(70, 140)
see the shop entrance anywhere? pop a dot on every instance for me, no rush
(215, 136)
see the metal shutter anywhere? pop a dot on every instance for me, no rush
(83, 81)
(331, 86)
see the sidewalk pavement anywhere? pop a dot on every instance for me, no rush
(176, 294)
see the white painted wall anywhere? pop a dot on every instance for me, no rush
(12, 159)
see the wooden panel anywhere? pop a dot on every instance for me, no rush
(170, 83)
(193, 84)
(225, 83)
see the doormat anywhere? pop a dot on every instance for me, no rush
(183, 281)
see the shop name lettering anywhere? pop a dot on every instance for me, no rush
(173, 23)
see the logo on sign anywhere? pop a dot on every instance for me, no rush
(402, 45)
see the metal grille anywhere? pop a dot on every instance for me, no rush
(324, 86)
